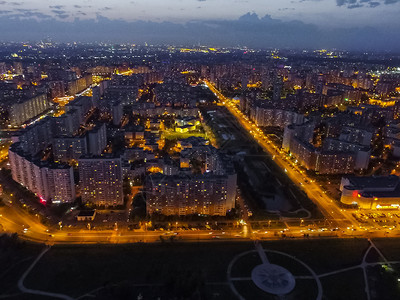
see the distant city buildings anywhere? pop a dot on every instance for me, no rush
(344, 146)
(137, 115)
(25, 108)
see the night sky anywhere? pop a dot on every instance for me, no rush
(375, 22)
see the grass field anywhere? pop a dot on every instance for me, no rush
(191, 270)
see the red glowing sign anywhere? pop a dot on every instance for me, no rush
(42, 200)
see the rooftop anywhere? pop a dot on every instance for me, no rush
(374, 182)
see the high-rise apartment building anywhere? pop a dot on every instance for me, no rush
(97, 139)
(181, 194)
(27, 108)
(82, 105)
(67, 148)
(36, 137)
(101, 180)
(49, 181)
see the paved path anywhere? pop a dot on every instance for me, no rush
(263, 257)
(23, 289)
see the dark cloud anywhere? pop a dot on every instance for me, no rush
(357, 5)
(61, 14)
(249, 30)
(28, 14)
(249, 17)
(362, 3)
(22, 10)
(58, 11)
(57, 6)
(82, 6)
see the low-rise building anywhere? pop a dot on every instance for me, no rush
(372, 192)
(86, 215)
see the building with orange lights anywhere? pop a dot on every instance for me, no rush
(376, 192)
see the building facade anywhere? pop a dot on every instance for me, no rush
(101, 180)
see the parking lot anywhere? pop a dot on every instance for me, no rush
(378, 220)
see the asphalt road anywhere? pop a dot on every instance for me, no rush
(13, 218)
(337, 216)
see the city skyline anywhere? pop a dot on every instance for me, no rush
(338, 24)
(200, 149)
(308, 11)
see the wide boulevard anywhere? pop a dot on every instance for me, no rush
(336, 216)
(14, 218)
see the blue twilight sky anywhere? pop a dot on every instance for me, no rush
(377, 20)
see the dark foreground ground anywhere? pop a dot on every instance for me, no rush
(198, 270)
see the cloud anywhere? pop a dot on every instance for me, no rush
(22, 10)
(362, 3)
(357, 5)
(58, 11)
(249, 30)
(62, 14)
(57, 6)
(82, 6)
(28, 14)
